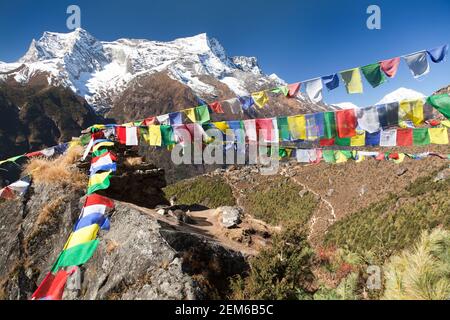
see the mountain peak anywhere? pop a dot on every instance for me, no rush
(401, 94)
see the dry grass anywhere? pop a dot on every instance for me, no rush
(132, 161)
(58, 171)
(47, 213)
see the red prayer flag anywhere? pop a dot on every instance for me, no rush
(346, 123)
(216, 107)
(380, 157)
(149, 121)
(98, 135)
(34, 154)
(390, 66)
(264, 128)
(293, 89)
(95, 199)
(7, 194)
(326, 142)
(394, 156)
(52, 287)
(404, 137)
(121, 133)
(112, 156)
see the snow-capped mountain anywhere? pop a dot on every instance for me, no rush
(401, 94)
(99, 70)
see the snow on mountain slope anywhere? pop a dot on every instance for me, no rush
(401, 94)
(99, 71)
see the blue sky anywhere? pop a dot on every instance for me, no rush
(297, 40)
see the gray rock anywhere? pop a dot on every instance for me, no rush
(400, 172)
(442, 175)
(303, 193)
(330, 192)
(230, 216)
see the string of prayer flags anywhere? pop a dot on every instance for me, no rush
(441, 103)
(313, 89)
(331, 81)
(76, 256)
(438, 54)
(260, 98)
(352, 80)
(51, 287)
(346, 123)
(374, 75)
(98, 181)
(418, 64)
(368, 119)
(390, 66)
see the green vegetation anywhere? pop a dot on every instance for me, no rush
(278, 202)
(422, 273)
(394, 223)
(279, 272)
(211, 192)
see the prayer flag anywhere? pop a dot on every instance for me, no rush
(352, 79)
(331, 81)
(149, 121)
(250, 130)
(438, 54)
(404, 137)
(283, 129)
(359, 140)
(328, 156)
(99, 181)
(326, 142)
(167, 135)
(284, 90)
(388, 114)
(412, 110)
(368, 119)
(154, 137)
(293, 89)
(313, 89)
(202, 114)
(176, 118)
(390, 66)
(265, 129)
(388, 138)
(52, 287)
(246, 102)
(76, 256)
(441, 102)
(81, 236)
(163, 119)
(96, 199)
(373, 74)
(343, 142)
(191, 114)
(104, 162)
(438, 135)
(216, 107)
(346, 123)
(421, 136)
(329, 125)
(297, 127)
(373, 139)
(418, 64)
(260, 98)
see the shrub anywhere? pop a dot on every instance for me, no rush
(422, 273)
(279, 272)
(211, 192)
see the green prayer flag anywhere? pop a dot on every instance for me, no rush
(167, 135)
(374, 75)
(202, 114)
(283, 129)
(329, 125)
(343, 142)
(421, 136)
(85, 139)
(99, 181)
(441, 102)
(282, 153)
(328, 156)
(347, 153)
(284, 90)
(99, 152)
(75, 256)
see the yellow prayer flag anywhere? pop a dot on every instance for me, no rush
(359, 140)
(99, 126)
(190, 113)
(82, 235)
(446, 123)
(401, 158)
(352, 79)
(222, 126)
(438, 135)
(412, 110)
(297, 127)
(98, 178)
(340, 157)
(102, 145)
(260, 98)
(154, 137)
